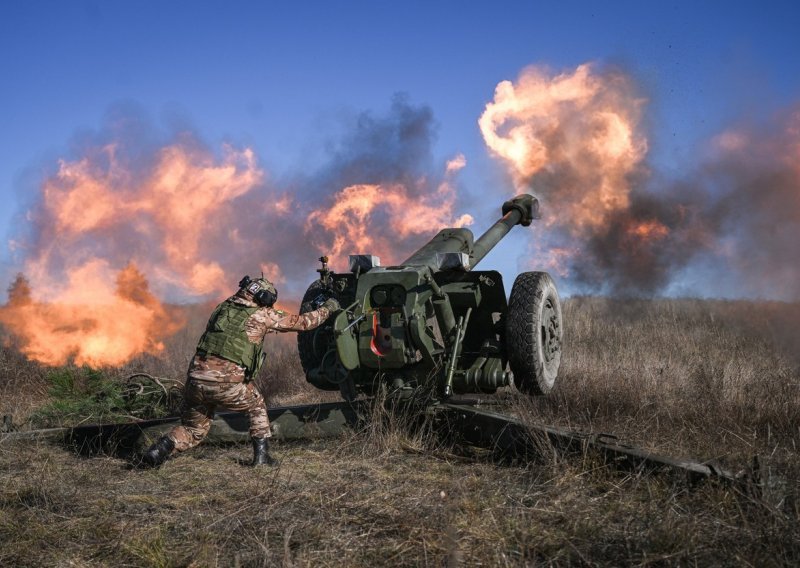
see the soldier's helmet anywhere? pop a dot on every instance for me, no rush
(260, 290)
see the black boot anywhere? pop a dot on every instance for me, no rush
(158, 452)
(261, 453)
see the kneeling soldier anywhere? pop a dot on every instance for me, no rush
(227, 359)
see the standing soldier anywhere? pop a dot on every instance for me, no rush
(227, 360)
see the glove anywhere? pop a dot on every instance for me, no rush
(331, 304)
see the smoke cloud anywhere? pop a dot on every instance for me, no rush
(130, 219)
(576, 140)
(134, 218)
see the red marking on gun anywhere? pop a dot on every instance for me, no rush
(381, 342)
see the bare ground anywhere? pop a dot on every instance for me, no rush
(684, 377)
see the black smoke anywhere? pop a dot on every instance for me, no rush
(733, 223)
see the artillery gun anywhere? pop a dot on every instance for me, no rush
(430, 326)
(433, 324)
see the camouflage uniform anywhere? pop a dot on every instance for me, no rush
(214, 381)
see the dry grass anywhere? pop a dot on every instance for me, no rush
(23, 387)
(684, 377)
(687, 377)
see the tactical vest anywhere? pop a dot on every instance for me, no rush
(225, 337)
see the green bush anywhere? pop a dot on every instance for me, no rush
(85, 395)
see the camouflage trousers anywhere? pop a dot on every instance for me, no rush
(201, 398)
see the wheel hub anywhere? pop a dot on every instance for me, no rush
(551, 342)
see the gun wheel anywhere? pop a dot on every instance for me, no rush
(534, 332)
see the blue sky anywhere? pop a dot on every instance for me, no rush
(274, 76)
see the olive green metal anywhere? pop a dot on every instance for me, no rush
(401, 327)
(443, 309)
(346, 342)
(463, 321)
(446, 240)
(486, 375)
(445, 316)
(510, 437)
(519, 211)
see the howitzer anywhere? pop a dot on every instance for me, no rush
(434, 322)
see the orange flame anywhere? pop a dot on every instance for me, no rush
(582, 123)
(105, 230)
(375, 218)
(647, 230)
(639, 240)
(575, 139)
(95, 320)
(110, 232)
(172, 206)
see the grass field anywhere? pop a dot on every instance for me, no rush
(706, 379)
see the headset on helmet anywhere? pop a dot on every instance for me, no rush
(263, 292)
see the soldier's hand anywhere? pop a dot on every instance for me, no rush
(331, 304)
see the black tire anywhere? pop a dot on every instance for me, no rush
(534, 332)
(312, 345)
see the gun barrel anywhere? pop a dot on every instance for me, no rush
(518, 211)
(445, 241)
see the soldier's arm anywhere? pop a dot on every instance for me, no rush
(281, 321)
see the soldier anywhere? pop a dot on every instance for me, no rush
(228, 358)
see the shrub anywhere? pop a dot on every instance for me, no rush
(79, 395)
